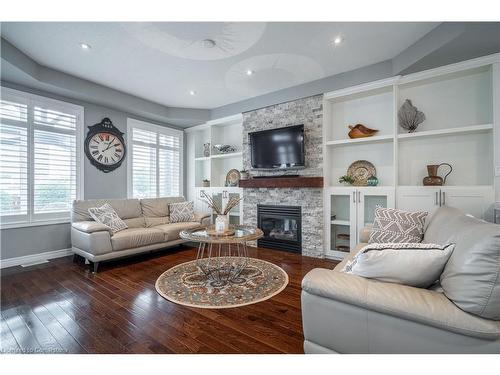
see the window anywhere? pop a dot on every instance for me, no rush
(39, 158)
(154, 160)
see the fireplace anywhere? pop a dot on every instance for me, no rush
(282, 227)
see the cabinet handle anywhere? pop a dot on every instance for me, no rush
(437, 203)
(359, 197)
(354, 196)
(444, 199)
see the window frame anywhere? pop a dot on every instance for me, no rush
(32, 100)
(133, 123)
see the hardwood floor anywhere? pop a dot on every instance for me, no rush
(61, 307)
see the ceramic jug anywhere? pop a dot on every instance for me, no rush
(433, 179)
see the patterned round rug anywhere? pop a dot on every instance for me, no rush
(187, 285)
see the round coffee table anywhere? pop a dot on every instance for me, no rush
(222, 258)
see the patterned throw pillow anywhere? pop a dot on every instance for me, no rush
(181, 212)
(107, 216)
(393, 225)
(413, 264)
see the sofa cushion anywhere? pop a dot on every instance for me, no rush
(125, 208)
(413, 264)
(158, 207)
(471, 278)
(406, 302)
(107, 216)
(136, 237)
(136, 222)
(172, 230)
(392, 225)
(154, 221)
(181, 212)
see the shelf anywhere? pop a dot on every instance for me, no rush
(449, 131)
(341, 222)
(202, 158)
(228, 155)
(374, 139)
(283, 182)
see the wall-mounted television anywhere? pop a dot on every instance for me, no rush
(281, 148)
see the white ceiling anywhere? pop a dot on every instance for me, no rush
(163, 62)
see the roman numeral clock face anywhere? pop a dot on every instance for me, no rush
(106, 148)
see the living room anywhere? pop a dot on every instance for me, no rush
(278, 186)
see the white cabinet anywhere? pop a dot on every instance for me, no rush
(473, 200)
(347, 211)
(221, 196)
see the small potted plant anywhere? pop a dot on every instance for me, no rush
(346, 180)
(206, 183)
(244, 174)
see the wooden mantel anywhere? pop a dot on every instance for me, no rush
(283, 182)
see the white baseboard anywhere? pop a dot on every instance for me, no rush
(35, 258)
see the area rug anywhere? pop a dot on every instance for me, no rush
(187, 285)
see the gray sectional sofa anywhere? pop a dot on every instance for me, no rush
(345, 313)
(148, 222)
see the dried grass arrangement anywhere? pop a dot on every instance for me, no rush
(409, 117)
(209, 200)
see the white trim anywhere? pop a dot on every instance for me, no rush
(383, 83)
(229, 120)
(133, 123)
(35, 258)
(40, 223)
(447, 131)
(374, 139)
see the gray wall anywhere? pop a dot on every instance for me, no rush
(17, 242)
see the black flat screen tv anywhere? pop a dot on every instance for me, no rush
(281, 148)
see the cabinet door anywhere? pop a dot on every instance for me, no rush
(369, 198)
(473, 200)
(199, 203)
(418, 198)
(235, 213)
(341, 206)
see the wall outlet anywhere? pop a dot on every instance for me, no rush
(497, 171)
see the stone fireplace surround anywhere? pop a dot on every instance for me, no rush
(307, 111)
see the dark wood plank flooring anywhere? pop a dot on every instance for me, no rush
(61, 307)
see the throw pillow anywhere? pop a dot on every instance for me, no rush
(107, 216)
(413, 264)
(392, 225)
(181, 212)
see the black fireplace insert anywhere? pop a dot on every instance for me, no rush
(282, 227)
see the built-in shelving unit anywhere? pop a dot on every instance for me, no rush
(215, 166)
(460, 104)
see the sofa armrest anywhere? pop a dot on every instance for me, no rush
(364, 233)
(90, 226)
(95, 243)
(202, 217)
(415, 304)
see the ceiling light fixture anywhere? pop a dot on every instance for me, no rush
(85, 46)
(249, 72)
(208, 43)
(337, 40)
(192, 92)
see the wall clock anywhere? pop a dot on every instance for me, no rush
(105, 146)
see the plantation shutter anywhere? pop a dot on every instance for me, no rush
(156, 160)
(39, 158)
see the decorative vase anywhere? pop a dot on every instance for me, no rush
(206, 149)
(243, 175)
(206, 183)
(433, 179)
(372, 181)
(221, 223)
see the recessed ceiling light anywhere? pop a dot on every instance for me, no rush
(337, 40)
(85, 46)
(192, 92)
(208, 43)
(249, 72)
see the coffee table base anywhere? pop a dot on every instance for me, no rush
(222, 262)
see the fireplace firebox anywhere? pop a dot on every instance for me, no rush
(282, 227)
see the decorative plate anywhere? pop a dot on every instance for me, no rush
(233, 177)
(361, 171)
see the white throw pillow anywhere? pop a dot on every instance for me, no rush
(181, 212)
(107, 216)
(413, 264)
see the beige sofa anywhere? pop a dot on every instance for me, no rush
(345, 313)
(148, 222)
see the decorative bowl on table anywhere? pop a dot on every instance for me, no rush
(224, 149)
